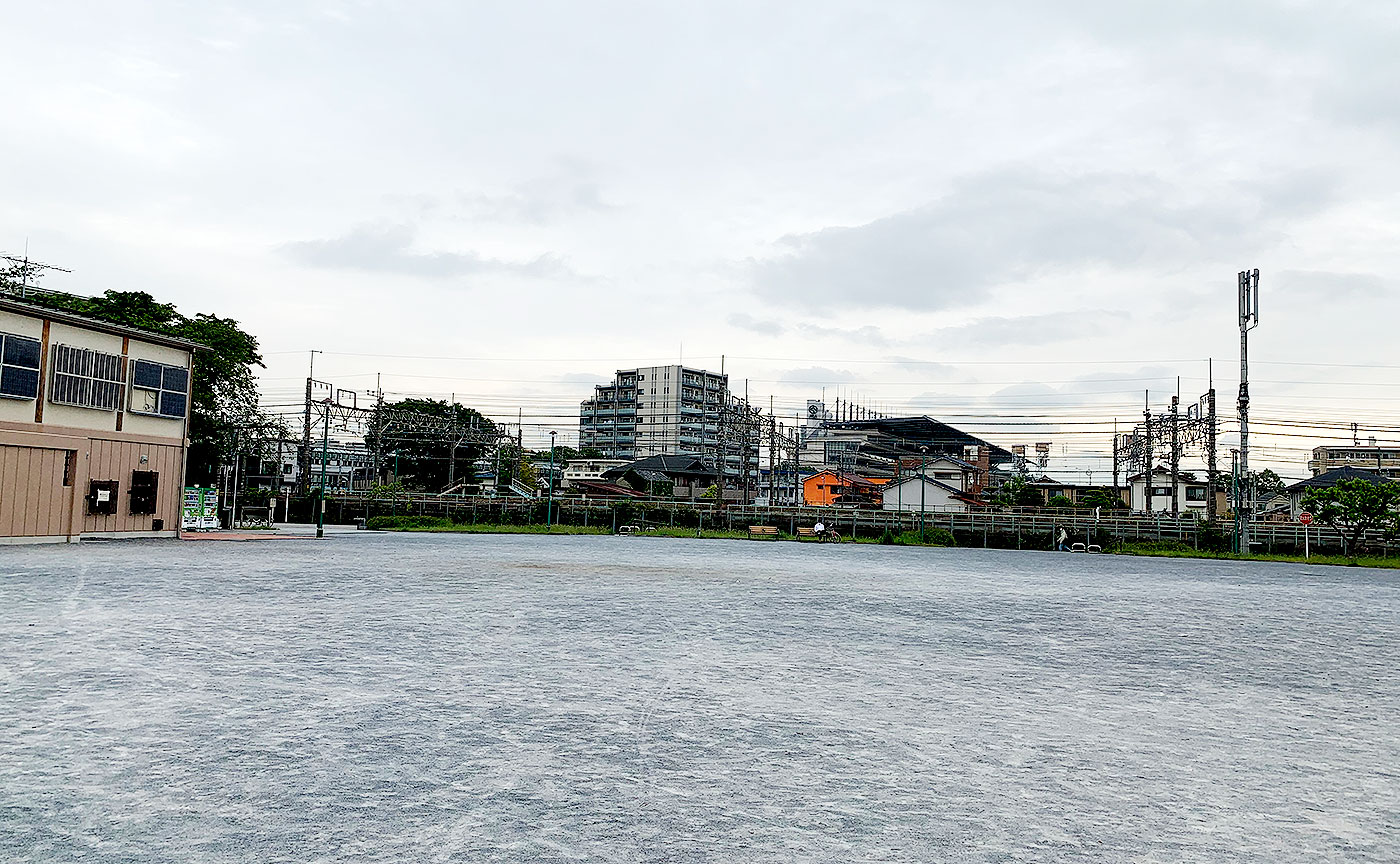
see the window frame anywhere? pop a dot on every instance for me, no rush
(159, 391)
(37, 369)
(87, 361)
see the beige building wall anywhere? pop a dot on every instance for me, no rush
(70, 415)
(50, 453)
(115, 460)
(34, 499)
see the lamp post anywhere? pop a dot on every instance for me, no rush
(549, 507)
(923, 489)
(325, 446)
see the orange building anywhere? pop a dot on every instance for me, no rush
(825, 487)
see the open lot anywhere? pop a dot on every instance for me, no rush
(378, 697)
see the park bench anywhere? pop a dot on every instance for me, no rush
(811, 534)
(763, 531)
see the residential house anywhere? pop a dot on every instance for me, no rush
(919, 493)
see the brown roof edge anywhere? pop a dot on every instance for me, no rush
(15, 306)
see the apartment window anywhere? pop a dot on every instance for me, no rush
(1195, 493)
(86, 378)
(159, 389)
(19, 366)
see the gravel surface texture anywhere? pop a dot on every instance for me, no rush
(405, 698)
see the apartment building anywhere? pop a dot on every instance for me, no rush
(654, 410)
(94, 421)
(1382, 460)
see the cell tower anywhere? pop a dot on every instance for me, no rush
(1249, 319)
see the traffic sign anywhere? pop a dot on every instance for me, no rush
(1305, 517)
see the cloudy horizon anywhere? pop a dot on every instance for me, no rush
(976, 213)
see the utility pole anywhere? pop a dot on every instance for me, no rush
(1235, 492)
(720, 449)
(1249, 319)
(1212, 471)
(549, 507)
(1176, 453)
(1115, 455)
(325, 447)
(923, 488)
(304, 460)
(772, 445)
(1147, 454)
(378, 428)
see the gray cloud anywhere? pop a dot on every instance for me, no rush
(818, 375)
(1044, 329)
(1013, 225)
(388, 250)
(583, 378)
(868, 335)
(1328, 284)
(744, 321)
(928, 368)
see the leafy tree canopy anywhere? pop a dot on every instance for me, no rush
(1267, 484)
(426, 460)
(1356, 506)
(1100, 498)
(1017, 492)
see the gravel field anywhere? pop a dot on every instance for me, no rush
(405, 698)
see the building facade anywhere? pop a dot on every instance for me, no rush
(1191, 493)
(94, 421)
(669, 410)
(918, 493)
(654, 410)
(1382, 460)
(348, 466)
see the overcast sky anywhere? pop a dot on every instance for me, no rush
(968, 210)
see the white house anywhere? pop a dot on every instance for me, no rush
(586, 469)
(915, 493)
(1191, 493)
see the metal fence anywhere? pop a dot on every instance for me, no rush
(1022, 527)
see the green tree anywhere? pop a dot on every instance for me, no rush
(426, 459)
(1017, 492)
(1355, 506)
(1267, 484)
(1100, 498)
(1059, 501)
(525, 472)
(223, 389)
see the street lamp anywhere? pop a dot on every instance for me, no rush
(549, 507)
(923, 489)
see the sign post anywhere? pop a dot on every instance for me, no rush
(1306, 518)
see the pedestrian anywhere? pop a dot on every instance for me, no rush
(1064, 535)
(820, 529)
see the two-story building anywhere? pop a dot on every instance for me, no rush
(94, 421)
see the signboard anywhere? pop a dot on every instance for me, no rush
(199, 511)
(1305, 517)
